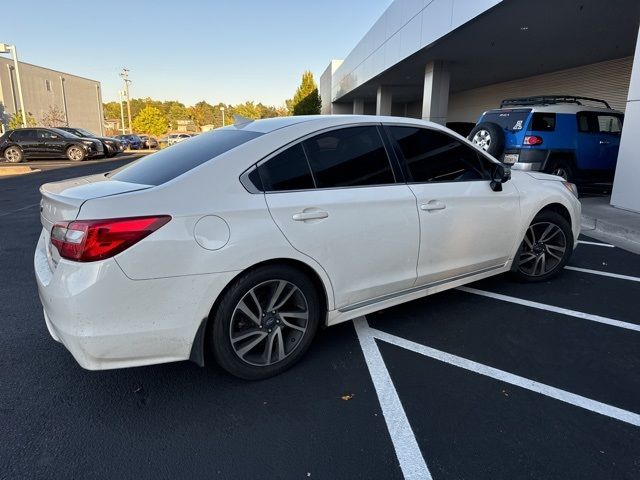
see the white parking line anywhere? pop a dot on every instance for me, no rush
(604, 274)
(526, 383)
(404, 441)
(585, 242)
(552, 308)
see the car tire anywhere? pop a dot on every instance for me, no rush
(13, 154)
(545, 249)
(252, 341)
(562, 168)
(488, 136)
(76, 153)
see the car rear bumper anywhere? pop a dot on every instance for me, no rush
(107, 320)
(529, 160)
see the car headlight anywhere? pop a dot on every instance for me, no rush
(88, 143)
(571, 187)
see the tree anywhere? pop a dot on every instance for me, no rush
(248, 110)
(306, 101)
(16, 120)
(202, 113)
(54, 117)
(150, 120)
(111, 110)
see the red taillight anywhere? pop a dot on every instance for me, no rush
(532, 140)
(90, 240)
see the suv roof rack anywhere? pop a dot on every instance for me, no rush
(549, 100)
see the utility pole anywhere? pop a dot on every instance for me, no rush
(4, 48)
(121, 93)
(222, 111)
(125, 77)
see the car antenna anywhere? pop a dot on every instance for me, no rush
(239, 120)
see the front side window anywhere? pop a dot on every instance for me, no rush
(432, 156)
(46, 135)
(289, 170)
(349, 157)
(609, 124)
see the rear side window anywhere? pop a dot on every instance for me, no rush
(431, 156)
(511, 120)
(584, 125)
(543, 122)
(349, 157)
(167, 164)
(23, 135)
(289, 170)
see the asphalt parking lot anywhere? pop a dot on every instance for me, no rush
(497, 380)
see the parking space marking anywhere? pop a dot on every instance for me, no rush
(404, 441)
(362, 327)
(604, 274)
(552, 308)
(585, 242)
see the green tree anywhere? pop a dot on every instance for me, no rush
(306, 101)
(111, 110)
(202, 113)
(150, 120)
(248, 110)
(16, 120)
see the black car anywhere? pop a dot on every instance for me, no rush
(112, 146)
(24, 143)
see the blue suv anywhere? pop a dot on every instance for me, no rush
(556, 134)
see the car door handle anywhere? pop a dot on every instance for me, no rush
(303, 216)
(604, 142)
(433, 205)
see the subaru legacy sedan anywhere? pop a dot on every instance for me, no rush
(237, 245)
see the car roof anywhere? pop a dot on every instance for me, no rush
(557, 108)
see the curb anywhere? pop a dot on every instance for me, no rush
(621, 235)
(17, 170)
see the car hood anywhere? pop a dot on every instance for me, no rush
(545, 176)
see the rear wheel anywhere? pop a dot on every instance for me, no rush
(265, 322)
(562, 168)
(546, 248)
(13, 154)
(76, 153)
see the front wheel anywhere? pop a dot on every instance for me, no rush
(546, 248)
(265, 322)
(76, 153)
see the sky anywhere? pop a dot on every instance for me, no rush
(218, 50)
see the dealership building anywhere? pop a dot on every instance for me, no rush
(78, 100)
(450, 60)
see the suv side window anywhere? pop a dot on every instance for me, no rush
(432, 156)
(23, 135)
(46, 135)
(543, 122)
(288, 170)
(349, 157)
(608, 123)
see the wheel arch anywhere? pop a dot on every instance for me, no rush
(199, 352)
(554, 155)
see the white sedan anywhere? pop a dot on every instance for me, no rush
(243, 241)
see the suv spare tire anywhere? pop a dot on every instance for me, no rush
(489, 137)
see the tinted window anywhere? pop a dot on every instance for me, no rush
(609, 124)
(512, 120)
(288, 170)
(23, 135)
(349, 157)
(431, 156)
(543, 122)
(47, 135)
(583, 122)
(165, 165)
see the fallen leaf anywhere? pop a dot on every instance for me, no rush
(347, 396)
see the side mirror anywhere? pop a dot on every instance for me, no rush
(499, 175)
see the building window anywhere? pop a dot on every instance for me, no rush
(47, 84)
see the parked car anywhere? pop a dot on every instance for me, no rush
(553, 134)
(112, 146)
(248, 238)
(174, 138)
(133, 142)
(27, 143)
(148, 142)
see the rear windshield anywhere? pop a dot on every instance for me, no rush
(512, 120)
(165, 165)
